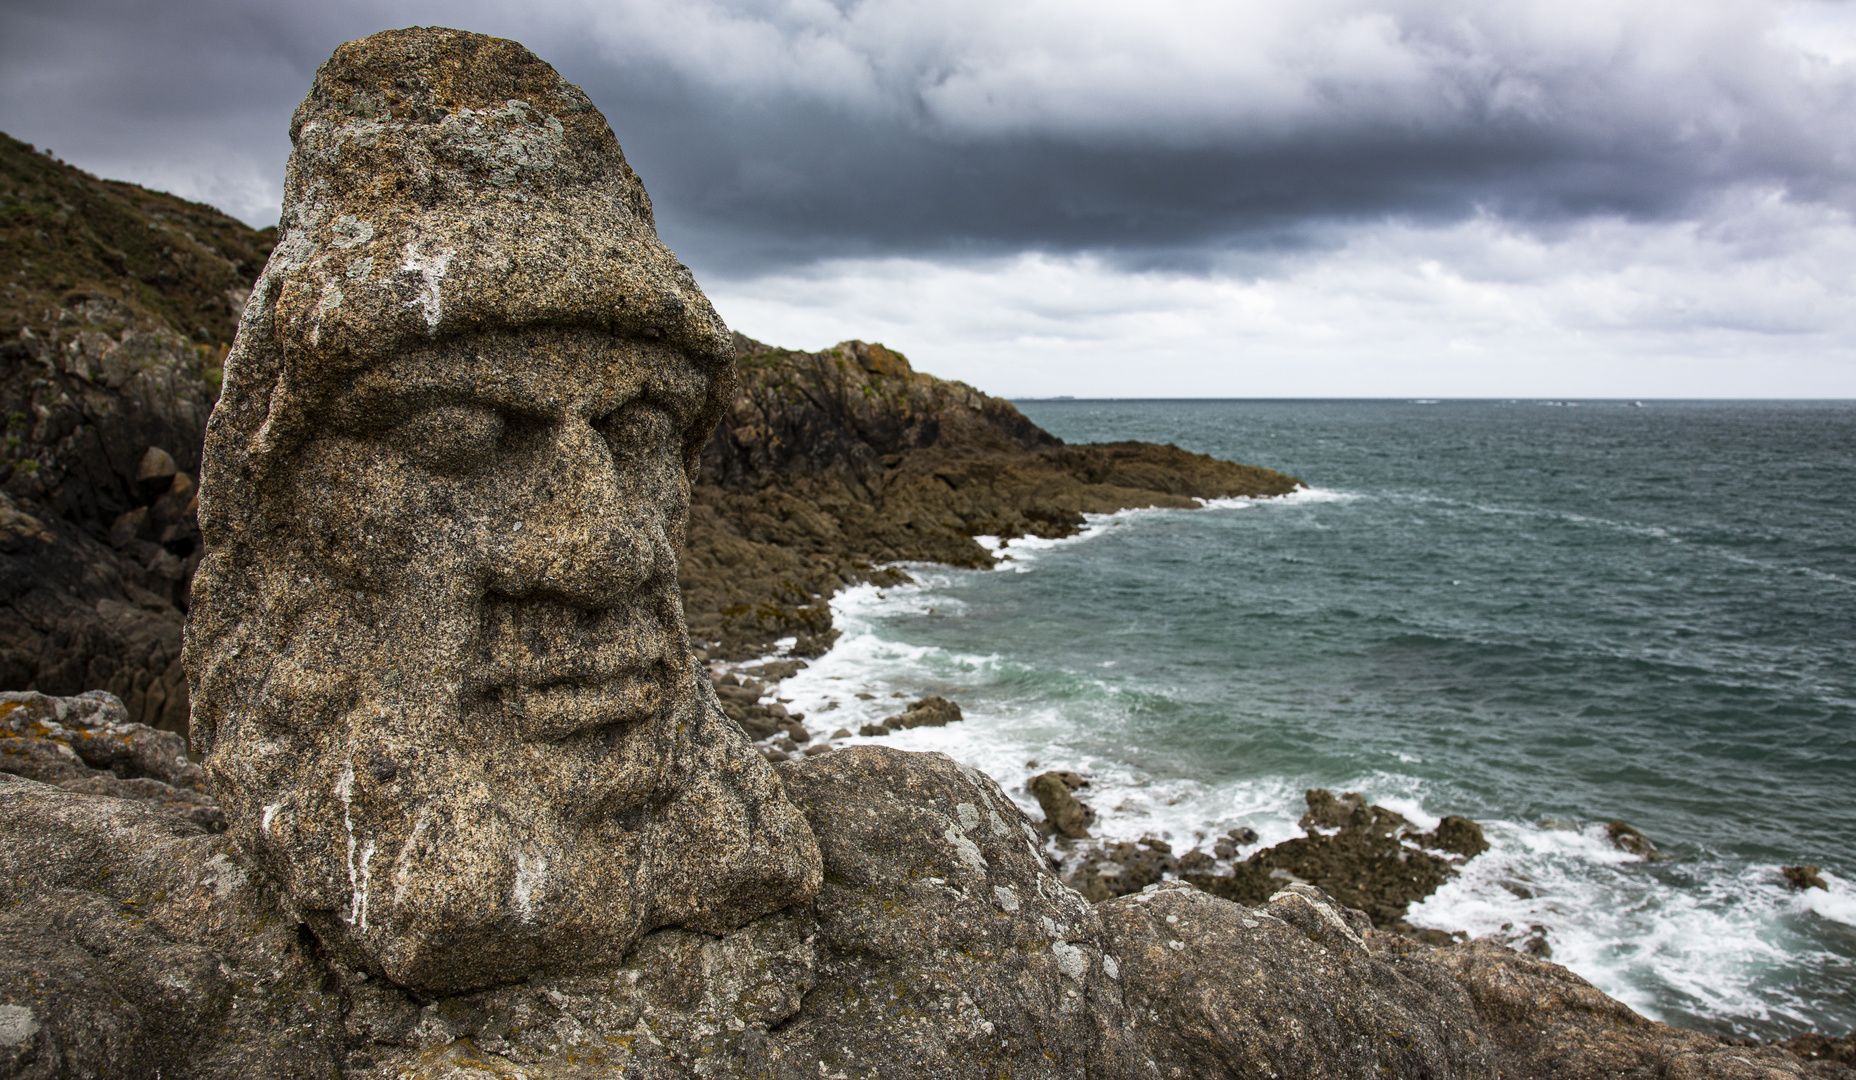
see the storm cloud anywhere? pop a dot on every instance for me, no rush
(789, 144)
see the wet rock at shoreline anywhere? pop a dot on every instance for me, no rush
(1373, 861)
(1121, 869)
(1066, 814)
(931, 711)
(1804, 876)
(1626, 838)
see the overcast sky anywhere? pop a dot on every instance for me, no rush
(1327, 198)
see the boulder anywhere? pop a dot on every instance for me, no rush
(1627, 838)
(1802, 877)
(931, 711)
(1065, 812)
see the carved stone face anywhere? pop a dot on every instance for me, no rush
(437, 662)
(526, 492)
(479, 747)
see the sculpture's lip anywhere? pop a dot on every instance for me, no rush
(547, 709)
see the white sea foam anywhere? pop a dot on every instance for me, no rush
(1838, 903)
(1702, 940)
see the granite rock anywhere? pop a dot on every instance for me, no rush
(133, 943)
(88, 744)
(440, 675)
(1067, 814)
(1299, 987)
(1544, 1022)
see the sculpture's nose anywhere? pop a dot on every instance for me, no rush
(573, 532)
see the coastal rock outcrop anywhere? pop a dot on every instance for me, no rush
(88, 744)
(135, 943)
(440, 676)
(1372, 860)
(119, 306)
(828, 465)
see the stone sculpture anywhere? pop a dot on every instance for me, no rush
(440, 676)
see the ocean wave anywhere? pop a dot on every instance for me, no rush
(1837, 903)
(1699, 942)
(1301, 496)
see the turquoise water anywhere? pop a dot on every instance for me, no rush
(1541, 616)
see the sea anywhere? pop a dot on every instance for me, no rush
(1543, 615)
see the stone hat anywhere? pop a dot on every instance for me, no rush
(444, 182)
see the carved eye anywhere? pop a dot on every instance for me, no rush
(638, 429)
(453, 438)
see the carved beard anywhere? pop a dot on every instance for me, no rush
(404, 814)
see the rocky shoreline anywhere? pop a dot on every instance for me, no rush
(134, 943)
(470, 803)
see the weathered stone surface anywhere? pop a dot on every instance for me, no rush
(948, 948)
(133, 944)
(1300, 987)
(440, 675)
(88, 744)
(1544, 1022)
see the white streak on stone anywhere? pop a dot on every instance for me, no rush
(344, 787)
(402, 863)
(1071, 960)
(1008, 900)
(431, 269)
(969, 815)
(367, 856)
(531, 874)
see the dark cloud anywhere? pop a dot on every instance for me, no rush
(768, 140)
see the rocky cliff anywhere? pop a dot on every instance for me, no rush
(830, 464)
(119, 304)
